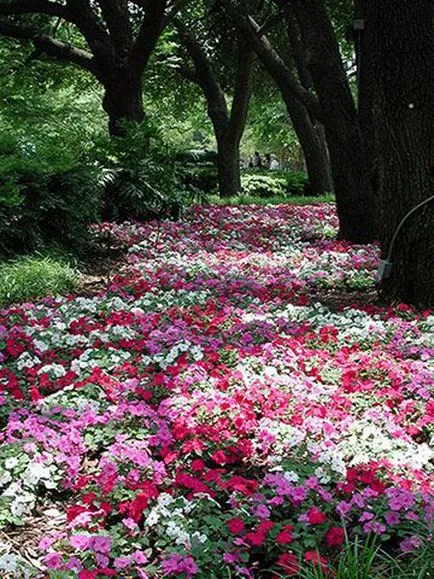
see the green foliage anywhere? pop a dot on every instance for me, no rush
(267, 183)
(140, 175)
(49, 192)
(260, 185)
(251, 200)
(34, 277)
(367, 560)
(39, 206)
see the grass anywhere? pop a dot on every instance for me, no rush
(367, 560)
(250, 200)
(35, 276)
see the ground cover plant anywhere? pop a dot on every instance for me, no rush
(205, 416)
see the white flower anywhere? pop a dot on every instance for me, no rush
(11, 462)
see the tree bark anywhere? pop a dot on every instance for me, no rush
(123, 103)
(228, 124)
(398, 80)
(351, 177)
(311, 138)
(228, 166)
(308, 131)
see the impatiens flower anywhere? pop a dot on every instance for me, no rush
(392, 518)
(139, 557)
(285, 535)
(53, 560)
(122, 562)
(315, 558)
(315, 516)
(289, 564)
(80, 542)
(210, 402)
(335, 536)
(235, 525)
(177, 563)
(101, 544)
(130, 524)
(411, 544)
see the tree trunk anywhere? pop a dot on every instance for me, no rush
(228, 166)
(311, 139)
(399, 53)
(351, 176)
(123, 103)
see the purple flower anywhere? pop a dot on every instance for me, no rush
(122, 562)
(392, 518)
(365, 517)
(400, 499)
(101, 544)
(262, 512)
(411, 544)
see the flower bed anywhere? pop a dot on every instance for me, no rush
(203, 418)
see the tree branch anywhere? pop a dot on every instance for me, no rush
(242, 89)
(52, 47)
(93, 31)
(117, 18)
(273, 62)
(205, 78)
(11, 7)
(147, 37)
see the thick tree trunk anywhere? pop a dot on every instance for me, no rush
(228, 166)
(123, 103)
(311, 139)
(398, 80)
(351, 176)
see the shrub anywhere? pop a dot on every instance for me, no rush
(261, 185)
(41, 204)
(268, 183)
(141, 178)
(200, 178)
(32, 277)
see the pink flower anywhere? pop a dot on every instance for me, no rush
(139, 557)
(53, 560)
(81, 542)
(122, 562)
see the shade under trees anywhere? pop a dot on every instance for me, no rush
(114, 42)
(371, 144)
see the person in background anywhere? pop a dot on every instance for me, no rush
(267, 162)
(274, 165)
(257, 162)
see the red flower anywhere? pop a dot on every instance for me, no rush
(35, 395)
(235, 525)
(289, 563)
(315, 558)
(335, 537)
(315, 516)
(257, 537)
(197, 465)
(219, 457)
(285, 535)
